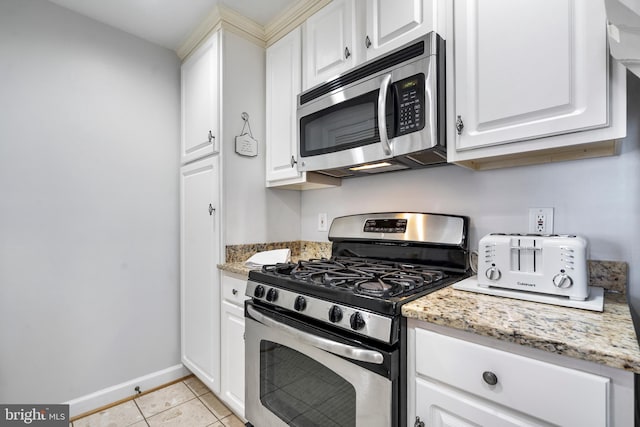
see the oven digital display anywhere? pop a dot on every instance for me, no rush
(385, 225)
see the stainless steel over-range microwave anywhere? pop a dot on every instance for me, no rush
(385, 115)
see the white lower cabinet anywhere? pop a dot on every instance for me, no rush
(232, 341)
(199, 278)
(455, 382)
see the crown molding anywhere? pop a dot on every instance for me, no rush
(291, 18)
(223, 17)
(226, 18)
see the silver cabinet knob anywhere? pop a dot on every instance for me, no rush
(367, 42)
(211, 137)
(562, 281)
(490, 378)
(347, 54)
(234, 291)
(293, 161)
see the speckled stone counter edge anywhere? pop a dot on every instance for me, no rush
(607, 338)
(236, 255)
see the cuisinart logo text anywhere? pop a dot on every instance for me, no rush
(36, 415)
(533, 285)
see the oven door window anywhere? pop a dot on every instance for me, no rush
(348, 124)
(303, 392)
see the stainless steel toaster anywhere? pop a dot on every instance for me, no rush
(549, 264)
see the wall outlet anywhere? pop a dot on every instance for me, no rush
(322, 222)
(541, 220)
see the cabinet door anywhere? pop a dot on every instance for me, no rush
(199, 92)
(329, 42)
(390, 26)
(199, 281)
(283, 85)
(528, 69)
(232, 347)
(440, 406)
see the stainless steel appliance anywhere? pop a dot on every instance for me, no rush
(325, 341)
(387, 114)
(549, 264)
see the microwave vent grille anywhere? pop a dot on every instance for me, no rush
(402, 55)
(336, 173)
(425, 158)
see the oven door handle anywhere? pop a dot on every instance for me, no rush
(382, 114)
(339, 349)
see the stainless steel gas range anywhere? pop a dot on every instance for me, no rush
(325, 340)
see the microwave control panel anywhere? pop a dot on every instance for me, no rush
(409, 96)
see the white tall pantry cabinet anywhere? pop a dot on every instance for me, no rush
(200, 226)
(231, 67)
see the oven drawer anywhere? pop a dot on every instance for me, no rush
(548, 392)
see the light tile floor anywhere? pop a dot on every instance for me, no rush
(188, 403)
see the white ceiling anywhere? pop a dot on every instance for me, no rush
(168, 23)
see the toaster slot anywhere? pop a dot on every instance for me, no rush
(526, 255)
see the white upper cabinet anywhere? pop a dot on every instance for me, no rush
(199, 84)
(283, 81)
(528, 70)
(329, 40)
(389, 26)
(346, 33)
(283, 86)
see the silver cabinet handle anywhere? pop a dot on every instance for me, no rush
(367, 42)
(459, 125)
(234, 291)
(211, 137)
(211, 209)
(347, 54)
(382, 118)
(293, 161)
(344, 350)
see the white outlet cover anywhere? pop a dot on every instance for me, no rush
(548, 215)
(322, 222)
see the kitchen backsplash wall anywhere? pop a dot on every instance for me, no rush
(596, 198)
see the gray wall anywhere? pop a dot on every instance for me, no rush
(89, 131)
(597, 198)
(252, 212)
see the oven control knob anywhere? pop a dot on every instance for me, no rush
(493, 273)
(259, 291)
(356, 320)
(300, 303)
(335, 314)
(562, 280)
(272, 295)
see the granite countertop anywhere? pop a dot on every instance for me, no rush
(607, 337)
(236, 255)
(235, 267)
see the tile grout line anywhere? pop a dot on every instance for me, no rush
(141, 413)
(218, 420)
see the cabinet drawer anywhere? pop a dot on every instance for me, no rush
(233, 289)
(551, 393)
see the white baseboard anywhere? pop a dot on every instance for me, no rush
(126, 389)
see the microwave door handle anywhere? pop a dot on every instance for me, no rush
(339, 349)
(382, 116)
